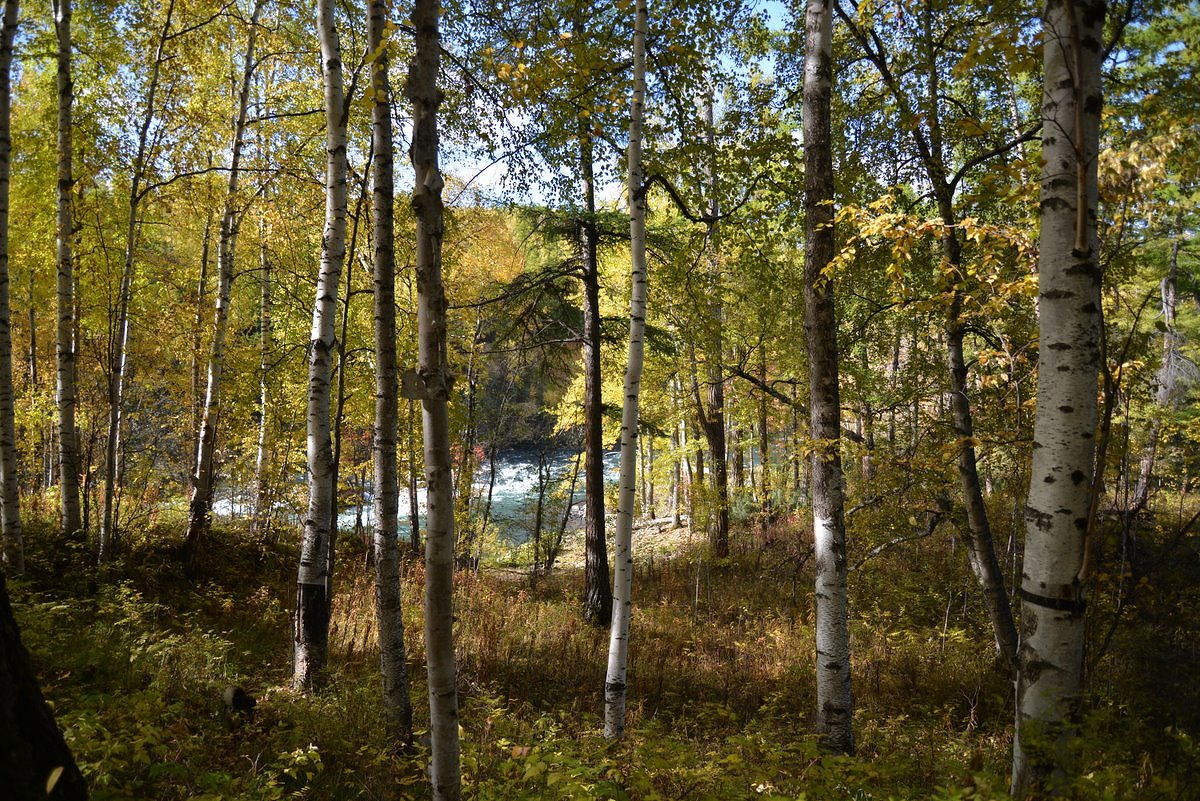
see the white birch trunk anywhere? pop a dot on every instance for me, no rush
(1054, 575)
(68, 445)
(119, 348)
(393, 667)
(618, 644)
(432, 383)
(200, 512)
(262, 455)
(10, 498)
(197, 330)
(1165, 380)
(311, 633)
(835, 708)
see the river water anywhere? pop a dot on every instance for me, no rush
(514, 496)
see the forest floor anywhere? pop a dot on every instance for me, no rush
(656, 541)
(721, 679)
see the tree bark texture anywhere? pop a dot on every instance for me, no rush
(834, 701)
(32, 748)
(764, 451)
(1054, 573)
(1165, 381)
(981, 553)
(713, 410)
(266, 353)
(65, 395)
(393, 667)
(311, 636)
(10, 496)
(434, 384)
(597, 592)
(197, 331)
(615, 682)
(200, 511)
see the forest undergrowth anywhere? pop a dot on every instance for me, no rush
(134, 661)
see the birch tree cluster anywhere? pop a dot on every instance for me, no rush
(874, 317)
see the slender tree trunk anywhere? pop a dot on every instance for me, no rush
(35, 383)
(10, 495)
(266, 345)
(339, 413)
(981, 550)
(120, 335)
(765, 487)
(676, 482)
(618, 645)
(696, 507)
(597, 592)
(928, 141)
(539, 512)
(414, 511)
(1059, 510)
(311, 635)
(739, 457)
(197, 329)
(432, 381)
(390, 622)
(393, 667)
(68, 443)
(650, 510)
(834, 701)
(798, 485)
(981, 547)
(713, 417)
(468, 464)
(200, 512)
(493, 450)
(1164, 382)
(553, 549)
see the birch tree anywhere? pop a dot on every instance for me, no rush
(266, 343)
(120, 336)
(311, 631)
(431, 383)
(65, 394)
(1059, 515)
(618, 645)
(200, 511)
(834, 702)
(10, 497)
(393, 667)
(1166, 394)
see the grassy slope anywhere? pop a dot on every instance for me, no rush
(721, 681)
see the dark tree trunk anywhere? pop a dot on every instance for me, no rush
(597, 588)
(31, 746)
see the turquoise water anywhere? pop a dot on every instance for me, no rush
(514, 495)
